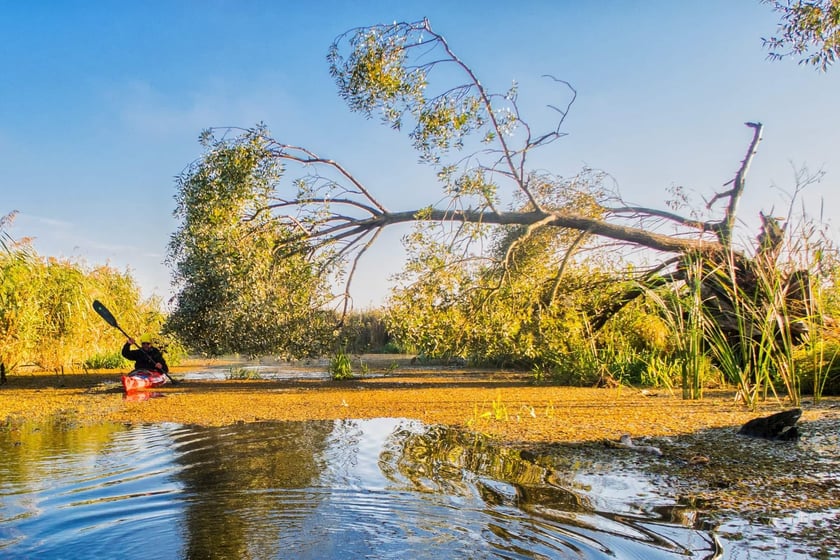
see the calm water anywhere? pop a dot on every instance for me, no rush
(340, 489)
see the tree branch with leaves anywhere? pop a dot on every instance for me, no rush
(480, 143)
(391, 71)
(808, 30)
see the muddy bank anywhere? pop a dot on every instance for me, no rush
(505, 405)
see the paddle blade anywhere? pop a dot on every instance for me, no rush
(104, 313)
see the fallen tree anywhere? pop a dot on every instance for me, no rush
(479, 143)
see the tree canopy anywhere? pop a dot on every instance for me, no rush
(479, 143)
(234, 294)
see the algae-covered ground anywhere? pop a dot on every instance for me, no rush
(703, 460)
(505, 405)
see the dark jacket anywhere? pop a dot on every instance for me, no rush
(144, 359)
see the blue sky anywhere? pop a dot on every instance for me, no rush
(101, 105)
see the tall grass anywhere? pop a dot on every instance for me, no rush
(685, 319)
(748, 317)
(742, 330)
(692, 356)
(817, 360)
(744, 333)
(46, 318)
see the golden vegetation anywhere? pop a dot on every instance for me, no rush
(503, 405)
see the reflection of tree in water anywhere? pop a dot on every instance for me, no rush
(240, 480)
(25, 452)
(441, 460)
(438, 459)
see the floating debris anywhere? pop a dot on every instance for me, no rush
(625, 442)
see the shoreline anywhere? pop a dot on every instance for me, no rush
(730, 478)
(503, 405)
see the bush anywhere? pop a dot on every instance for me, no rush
(112, 360)
(340, 367)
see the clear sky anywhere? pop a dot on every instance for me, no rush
(102, 102)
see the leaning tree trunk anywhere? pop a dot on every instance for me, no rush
(334, 218)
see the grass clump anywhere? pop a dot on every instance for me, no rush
(110, 360)
(243, 373)
(340, 367)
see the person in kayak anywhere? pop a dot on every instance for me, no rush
(147, 357)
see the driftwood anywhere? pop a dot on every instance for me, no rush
(625, 442)
(780, 426)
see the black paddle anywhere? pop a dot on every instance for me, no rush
(111, 320)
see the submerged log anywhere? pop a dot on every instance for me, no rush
(779, 426)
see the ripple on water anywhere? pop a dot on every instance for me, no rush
(383, 488)
(84, 490)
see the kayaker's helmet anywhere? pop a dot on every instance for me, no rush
(146, 338)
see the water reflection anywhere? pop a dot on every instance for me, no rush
(345, 489)
(565, 512)
(279, 370)
(243, 485)
(79, 493)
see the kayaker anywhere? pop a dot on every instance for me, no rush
(147, 356)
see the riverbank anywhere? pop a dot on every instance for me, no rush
(507, 406)
(702, 459)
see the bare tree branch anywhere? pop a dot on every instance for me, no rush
(724, 229)
(638, 211)
(326, 226)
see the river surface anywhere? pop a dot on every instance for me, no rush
(385, 488)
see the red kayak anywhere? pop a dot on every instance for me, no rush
(140, 379)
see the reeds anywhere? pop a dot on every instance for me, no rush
(46, 318)
(685, 319)
(759, 323)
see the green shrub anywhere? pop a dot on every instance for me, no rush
(111, 360)
(340, 367)
(237, 372)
